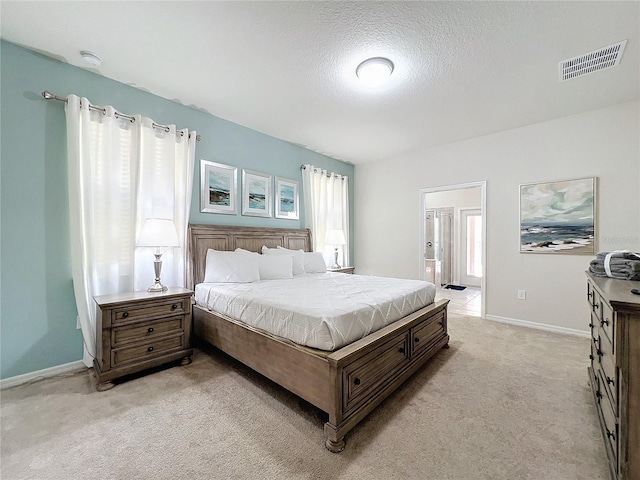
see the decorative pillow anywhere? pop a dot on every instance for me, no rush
(314, 262)
(298, 257)
(230, 267)
(272, 267)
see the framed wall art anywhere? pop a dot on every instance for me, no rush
(256, 194)
(558, 217)
(287, 199)
(218, 188)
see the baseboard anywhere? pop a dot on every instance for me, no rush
(539, 326)
(47, 372)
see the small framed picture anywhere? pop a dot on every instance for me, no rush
(286, 198)
(256, 194)
(218, 188)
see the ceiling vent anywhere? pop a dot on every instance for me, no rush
(606, 57)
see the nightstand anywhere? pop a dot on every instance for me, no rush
(342, 269)
(140, 330)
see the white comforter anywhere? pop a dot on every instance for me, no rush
(324, 311)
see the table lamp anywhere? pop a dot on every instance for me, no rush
(335, 238)
(158, 232)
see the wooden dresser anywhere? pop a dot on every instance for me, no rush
(140, 330)
(615, 370)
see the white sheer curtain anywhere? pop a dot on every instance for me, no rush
(326, 201)
(120, 173)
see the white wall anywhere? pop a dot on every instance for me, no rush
(604, 143)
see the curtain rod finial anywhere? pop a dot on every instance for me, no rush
(48, 95)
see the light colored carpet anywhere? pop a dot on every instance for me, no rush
(503, 402)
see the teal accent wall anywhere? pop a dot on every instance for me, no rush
(37, 307)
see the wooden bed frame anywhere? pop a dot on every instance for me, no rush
(347, 383)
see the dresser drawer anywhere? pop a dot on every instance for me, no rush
(131, 313)
(608, 386)
(147, 330)
(610, 427)
(424, 333)
(140, 352)
(606, 322)
(366, 376)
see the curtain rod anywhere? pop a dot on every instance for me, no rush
(329, 175)
(50, 96)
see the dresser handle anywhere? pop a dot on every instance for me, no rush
(610, 381)
(417, 339)
(150, 329)
(590, 294)
(598, 395)
(596, 306)
(125, 314)
(590, 357)
(174, 306)
(401, 349)
(357, 381)
(599, 352)
(611, 434)
(604, 322)
(150, 349)
(591, 325)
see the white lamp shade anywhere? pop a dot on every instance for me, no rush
(373, 72)
(335, 237)
(158, 232)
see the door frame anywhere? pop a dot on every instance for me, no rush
(483, 207)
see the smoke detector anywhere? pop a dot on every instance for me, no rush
(91, 58)
(606, 57)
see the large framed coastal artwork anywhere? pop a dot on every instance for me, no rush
(256, 194)
(558, 217)
(286, 199)
(218, 188)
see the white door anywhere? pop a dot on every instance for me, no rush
(470, 247)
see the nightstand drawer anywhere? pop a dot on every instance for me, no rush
(149, 330)
(130, 313)
(138, 353)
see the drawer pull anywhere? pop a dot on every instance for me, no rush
(356, 381)
(401, 350)
(417, 340)
(596, 306)
(150, 330)
(125, 314)
(604, 322)
(590, 357)
(599, 395)
(610, 381)
(591, 325)
(610, 434)
(590, 294)
(150, 349)
(174, 306)
(599, 352)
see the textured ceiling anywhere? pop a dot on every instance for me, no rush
(462, 69)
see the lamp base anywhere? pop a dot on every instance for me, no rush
(336, 265)
(157, 287)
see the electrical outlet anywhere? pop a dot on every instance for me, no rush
(522, 294)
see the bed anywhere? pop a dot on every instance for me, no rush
(347, 383)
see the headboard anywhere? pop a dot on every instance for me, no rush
(204, 237)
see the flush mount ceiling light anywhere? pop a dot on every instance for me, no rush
(373, 72)
(91, 58)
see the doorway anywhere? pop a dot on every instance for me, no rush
(453, 246)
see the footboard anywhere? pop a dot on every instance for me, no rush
(366, 372)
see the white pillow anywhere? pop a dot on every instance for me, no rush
(298, 257)
(272, 267)
(230, 267)
(314, 262)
